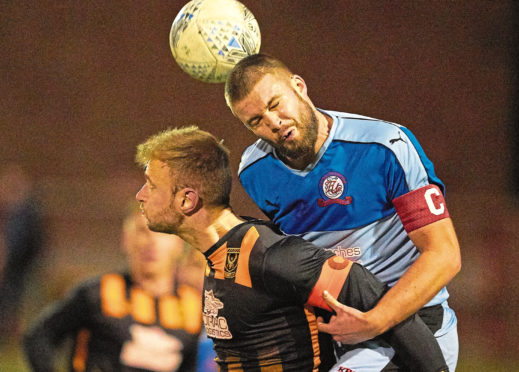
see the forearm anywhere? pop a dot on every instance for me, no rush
(52, 327)
(39, 351)
(411, 339)
(438, 263)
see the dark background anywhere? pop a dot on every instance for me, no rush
(83, 82)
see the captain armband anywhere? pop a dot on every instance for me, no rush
(421, 207)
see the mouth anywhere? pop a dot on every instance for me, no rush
(288, 135)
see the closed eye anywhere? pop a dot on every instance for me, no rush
(254, 122)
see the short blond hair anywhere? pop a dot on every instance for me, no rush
(196, 159)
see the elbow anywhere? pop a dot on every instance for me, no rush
(454, 264)
(27, 342)
(31, 340)
(458, 265)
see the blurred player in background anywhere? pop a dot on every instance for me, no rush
(258, 281)
(356, 185)
(143, 318)
(23, 233)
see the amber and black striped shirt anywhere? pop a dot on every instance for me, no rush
(117, 326)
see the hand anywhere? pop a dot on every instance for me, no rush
(349, 325)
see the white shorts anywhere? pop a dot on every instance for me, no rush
(374, 356)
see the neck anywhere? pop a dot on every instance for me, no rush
(299, 163)
(208, 227)
(323, 130)
(155, 284)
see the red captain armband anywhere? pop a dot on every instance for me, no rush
(421, 207)
(333, 275)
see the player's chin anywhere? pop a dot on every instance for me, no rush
(158, 227)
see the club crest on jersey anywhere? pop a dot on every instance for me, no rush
(332, 188)
(231, 262)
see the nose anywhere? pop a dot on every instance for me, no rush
(141, 194)
(272, 120)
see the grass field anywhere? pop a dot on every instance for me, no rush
(479, 343)
(11, 360)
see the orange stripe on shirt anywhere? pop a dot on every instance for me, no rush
(312, 325)
(234, 364)
(218, 259)
(333, 276)
(143, 306)
(191, 303)
(81, 351)
(169, 312)
(242, 272)
(113, 296)
(274, 368)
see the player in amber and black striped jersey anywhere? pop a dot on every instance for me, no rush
(259, 289)
(141, 320)
(260, 285)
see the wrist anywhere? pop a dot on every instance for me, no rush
(378, 321)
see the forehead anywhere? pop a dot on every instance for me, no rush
(158, 171)
(268, 87)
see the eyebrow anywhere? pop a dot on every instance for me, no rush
(249, 122)
(148, 179)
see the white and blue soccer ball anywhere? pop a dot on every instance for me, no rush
(208, 37)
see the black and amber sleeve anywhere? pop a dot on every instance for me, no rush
(310, 270)
(415, 345)
(56, 323)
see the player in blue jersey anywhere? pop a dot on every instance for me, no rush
(359, 186)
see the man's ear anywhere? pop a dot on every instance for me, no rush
(189, 200)
(299, 85)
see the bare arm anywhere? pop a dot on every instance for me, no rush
(438, 263)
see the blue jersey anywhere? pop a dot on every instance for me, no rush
(344, 199)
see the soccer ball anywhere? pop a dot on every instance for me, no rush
(208, 37)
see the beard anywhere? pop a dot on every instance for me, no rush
(166, 221)
(162, 227)
(307, 125)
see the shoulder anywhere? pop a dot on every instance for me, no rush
(259, 233)
(287, 252)
(399, 148)
(88, 284)
(254, 153)
(394, 138)
(261, 238)
(78, 299)
(95, 287)
(364, 129)
(292, 266)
